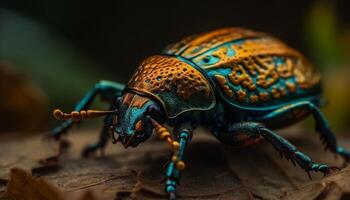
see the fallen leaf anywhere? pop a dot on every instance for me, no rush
(26, 187)
(214, 171)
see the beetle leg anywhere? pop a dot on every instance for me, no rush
(176, 165)
(290, 152)
(283, 146)
(322, 126)
(102, 142)
(106, 89)
(327, 134)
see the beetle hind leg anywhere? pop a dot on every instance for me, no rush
(326, 134)
(290, 152)
(322, 127)
(283, 146)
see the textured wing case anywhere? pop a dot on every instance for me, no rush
(174, 83)
(250, 69)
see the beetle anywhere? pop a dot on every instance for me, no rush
(238, 83)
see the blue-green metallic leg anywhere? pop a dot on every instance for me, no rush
(106, 89)
(284, 147)
(322, 126)
(290, 152)
(172, 175)
(102, 142)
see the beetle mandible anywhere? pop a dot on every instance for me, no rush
(238, 83)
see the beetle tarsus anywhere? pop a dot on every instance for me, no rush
(172, 196)
(170, 188)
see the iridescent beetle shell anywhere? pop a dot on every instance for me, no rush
(247, 69)
(251, 82)
(175, 83)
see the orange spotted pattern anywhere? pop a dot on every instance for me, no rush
(176, 84)
(159, 74)
(247, 68)
(250, 56)
(253, 68)
(223, 84)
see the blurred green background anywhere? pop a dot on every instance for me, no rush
(52, 52)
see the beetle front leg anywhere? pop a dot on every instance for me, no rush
(103, 139)
(106, 89)
(176, 164)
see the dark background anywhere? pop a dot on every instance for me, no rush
(62, 47)
(118, 34)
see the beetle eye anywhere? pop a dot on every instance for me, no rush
(138, 125)
(153, 110)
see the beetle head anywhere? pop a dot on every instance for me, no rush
(133, 118)
(132, 121)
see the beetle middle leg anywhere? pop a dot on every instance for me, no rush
(283, 146)
(326, 134)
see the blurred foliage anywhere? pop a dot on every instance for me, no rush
(23, 105)
(322, 34)
(336, 92)
(329, 43)
(63, 73)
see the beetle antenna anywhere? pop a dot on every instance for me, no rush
(164, 134)
(78, 116)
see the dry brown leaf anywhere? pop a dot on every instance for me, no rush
(214, 171)
(26, 187)
(88, 195)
